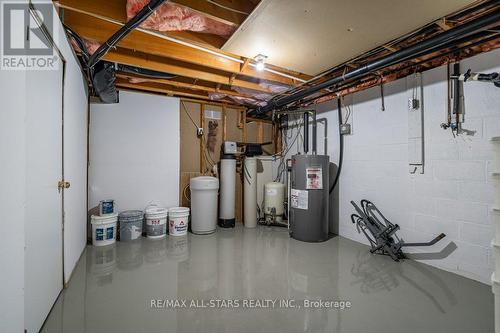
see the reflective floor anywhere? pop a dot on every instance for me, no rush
(116, 288)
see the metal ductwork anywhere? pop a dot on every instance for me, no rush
(425, 47)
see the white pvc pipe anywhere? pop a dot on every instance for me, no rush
(250, 192)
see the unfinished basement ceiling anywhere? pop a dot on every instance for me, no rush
(313, 36)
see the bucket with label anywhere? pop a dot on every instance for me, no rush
(106, 207)
(156, 222)
(178, 219)
(130, 224)
(103, 229)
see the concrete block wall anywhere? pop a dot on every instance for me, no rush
(454, 195)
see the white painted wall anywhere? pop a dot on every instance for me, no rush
(134, 151)
(454, 195)
(12, 199)
(13, 192)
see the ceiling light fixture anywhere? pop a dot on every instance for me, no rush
(260, 62)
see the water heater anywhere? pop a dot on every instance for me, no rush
(309, 193)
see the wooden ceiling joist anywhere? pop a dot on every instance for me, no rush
(161, 64)
(220, 13)
(156, 87)
(99, 30)
(182, 83)
(115, 10)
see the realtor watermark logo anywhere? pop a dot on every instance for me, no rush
(24, 41)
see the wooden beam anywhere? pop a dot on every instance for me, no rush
(245, 64)
(217, 13)
(139, 59)
(443, 24)
(98, 30)
(151, 86)
(181, 83)
(231, 79)
(227, 104)
(115, 10)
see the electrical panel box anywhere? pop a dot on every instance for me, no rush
(345, 129)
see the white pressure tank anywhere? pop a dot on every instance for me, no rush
(203, 204)
(274, 201)
(227, 191)
(250, 192)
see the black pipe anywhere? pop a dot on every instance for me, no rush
(341, 146)
(306, 132)
(454, 44)
(426, 46)
(143, 14)
(314, 134)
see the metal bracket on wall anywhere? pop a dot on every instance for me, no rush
(414, 90)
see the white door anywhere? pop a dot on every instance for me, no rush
(43, 260)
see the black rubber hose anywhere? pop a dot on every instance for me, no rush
(341, 146)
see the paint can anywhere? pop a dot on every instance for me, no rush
(178, 219)
(156, 222)
(130, 224)
(106, 207)
(103, 229)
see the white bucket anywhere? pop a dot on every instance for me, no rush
(178, 219)
(103, 229)
(156, 222)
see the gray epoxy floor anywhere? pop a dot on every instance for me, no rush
(112, 288)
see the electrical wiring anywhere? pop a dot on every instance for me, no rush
(296, 122)
(341, 146)
(206, 155)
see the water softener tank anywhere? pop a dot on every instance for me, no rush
(250, 192)
(227, 191)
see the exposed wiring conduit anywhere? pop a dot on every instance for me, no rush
(341, 146)
(427, 46)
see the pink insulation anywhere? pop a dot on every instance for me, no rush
(91, 46)
(173, 17)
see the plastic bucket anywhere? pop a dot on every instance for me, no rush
(130, 224)
(204, 192)
(106, 207)
(178, 219)
(156, 222)
(103, 229)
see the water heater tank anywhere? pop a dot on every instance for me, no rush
(309, 197)
(274, 200)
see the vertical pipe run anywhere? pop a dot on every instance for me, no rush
(306, 132)
(314, 134)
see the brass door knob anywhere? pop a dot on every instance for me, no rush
(62, 184)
